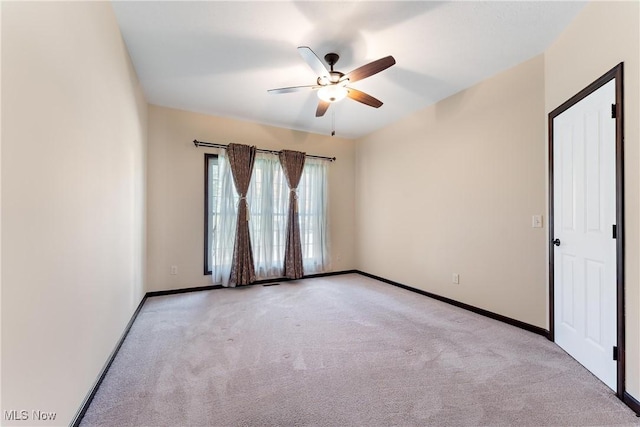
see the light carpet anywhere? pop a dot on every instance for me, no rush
(340, 351)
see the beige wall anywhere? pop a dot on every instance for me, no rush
(603, 35)
(175, 189)
(73, 145)
(452, 189)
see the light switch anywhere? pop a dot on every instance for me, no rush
(536, 221)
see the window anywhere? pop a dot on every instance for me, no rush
(268, 199)
(210, 199)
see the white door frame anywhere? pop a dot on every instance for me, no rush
(617, 109)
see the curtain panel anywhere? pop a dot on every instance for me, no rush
(224, 211)
(313, 199)
(241, 158)
(268, 197)
(292, 163)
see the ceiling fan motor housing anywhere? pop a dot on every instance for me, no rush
(333, 78)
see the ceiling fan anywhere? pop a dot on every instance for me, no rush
(332, 86)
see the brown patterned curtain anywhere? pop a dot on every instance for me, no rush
(241, 159)
(292, 164)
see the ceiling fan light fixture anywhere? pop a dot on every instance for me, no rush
(333, 93)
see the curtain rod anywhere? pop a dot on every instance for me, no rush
(214, 145)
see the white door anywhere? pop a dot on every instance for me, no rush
(584, 185)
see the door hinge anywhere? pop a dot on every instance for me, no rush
(615, 231)
(614, 111)
(615, 353)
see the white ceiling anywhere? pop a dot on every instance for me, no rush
(221, 57)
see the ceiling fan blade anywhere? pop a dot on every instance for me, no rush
(314, 62)
(293, 89)
(365, 98)
(370, 69)
(322, 108)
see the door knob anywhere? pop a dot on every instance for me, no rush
(556, 242)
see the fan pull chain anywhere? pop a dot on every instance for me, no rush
(333, 122)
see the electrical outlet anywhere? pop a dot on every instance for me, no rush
(456, 278)
(174, 270)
